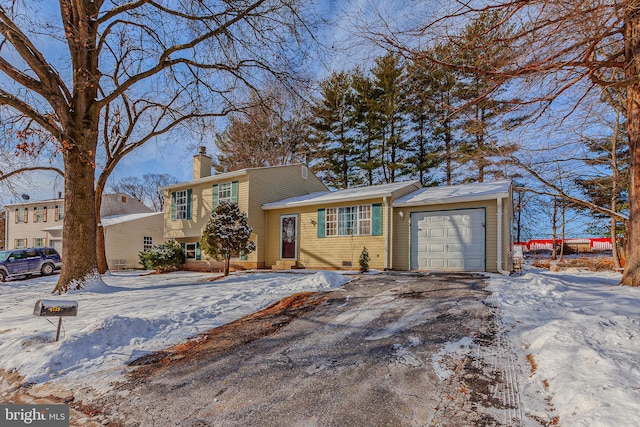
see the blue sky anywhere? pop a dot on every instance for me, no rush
(175, 157)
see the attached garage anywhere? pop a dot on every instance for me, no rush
(452, 240)
(456, 228)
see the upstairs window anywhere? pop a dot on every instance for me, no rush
(22, 215)
(181, 204)
(227, 191)
(59, 214)
(38, 214)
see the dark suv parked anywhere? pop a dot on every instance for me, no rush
(25, 262)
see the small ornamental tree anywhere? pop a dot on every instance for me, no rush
(364, 260)
(227, 232)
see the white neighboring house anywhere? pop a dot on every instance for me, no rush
(129, 227)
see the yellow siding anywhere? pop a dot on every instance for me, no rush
(125, 240)
(326, 252)
(402, 233)
(255, 187)
(270, 185)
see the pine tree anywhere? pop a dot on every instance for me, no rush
(368, 124)
(482, 45)
(227, 233)
(389, 78)
(333, 132)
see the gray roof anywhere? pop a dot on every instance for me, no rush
(347, 195)
(456, 194)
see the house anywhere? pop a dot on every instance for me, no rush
(298, 223)
(129, 227)
(189, 205)
(330, 229)
(403, 226)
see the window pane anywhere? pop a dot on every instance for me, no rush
(181, 204)
(224, 192)
(331, 221)
(364, 219)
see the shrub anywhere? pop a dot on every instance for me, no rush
(164, 257)
(364, 260)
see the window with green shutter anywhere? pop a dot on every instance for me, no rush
(226, 191)
(376, 219)
(321, 223)
(181, 204)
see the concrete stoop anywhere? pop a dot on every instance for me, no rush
(287, 264)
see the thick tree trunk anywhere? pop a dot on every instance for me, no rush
(79, 226)
(631, 276)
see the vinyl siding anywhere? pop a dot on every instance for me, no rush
(30, 230)
(402, 232)
(325, 252)
(255, 187)
(125, 240)
(270, 185)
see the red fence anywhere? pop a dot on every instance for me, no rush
(584, 244)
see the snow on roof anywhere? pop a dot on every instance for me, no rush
(456, 194)
(106, 221)
(347, 195)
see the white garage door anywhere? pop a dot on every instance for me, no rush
(448, 240)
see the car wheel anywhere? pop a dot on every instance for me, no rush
(47, 269)
(3, 276)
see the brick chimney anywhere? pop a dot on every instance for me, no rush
(201, 164)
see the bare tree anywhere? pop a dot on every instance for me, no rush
(103, 78)
(559, 48)
(145, 189)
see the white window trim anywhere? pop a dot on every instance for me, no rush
(360, 218)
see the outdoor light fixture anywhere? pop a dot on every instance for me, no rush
(401, 215)
(312, 221)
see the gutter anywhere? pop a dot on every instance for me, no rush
(388, 233)
(499, 260)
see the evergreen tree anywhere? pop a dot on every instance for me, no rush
(368, 124)
(389, 77)
(482, 45)
(333, 132)
(227, 232)
(428, 117)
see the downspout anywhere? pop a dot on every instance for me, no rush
(499, 260)
(387, 239)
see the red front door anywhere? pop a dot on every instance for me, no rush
(289, 234)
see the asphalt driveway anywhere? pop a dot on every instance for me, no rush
(367, 354)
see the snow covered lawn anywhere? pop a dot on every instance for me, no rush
(131, 316)
(580, 330)
(582, 333)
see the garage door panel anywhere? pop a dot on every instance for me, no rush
(449, 240)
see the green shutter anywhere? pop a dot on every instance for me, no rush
(234, 191)
(376, 219)
(214, 201)
(189, 194)
(198, 251)
(173, 206)
(321, 223)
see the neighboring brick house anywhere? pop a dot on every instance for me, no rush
(129, 227)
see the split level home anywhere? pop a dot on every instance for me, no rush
(129, 227)
(298, 222)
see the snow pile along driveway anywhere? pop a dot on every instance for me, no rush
(129, 317)
(581, 333)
